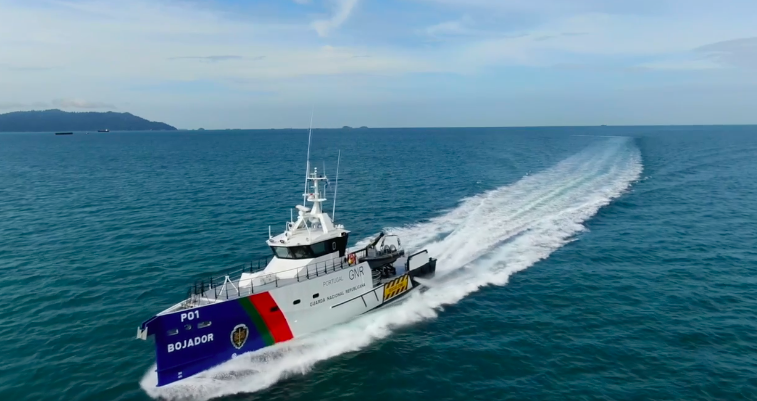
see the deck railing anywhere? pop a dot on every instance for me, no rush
(224, 287)
(231, 285)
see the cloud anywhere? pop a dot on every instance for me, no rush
(198, 56)
(465, 29)
(737, 52)
(81, 104)
(208, 58)
(142, 43)
(212, 58)
(22, 106)
(550, 8)
(664, 43)
(677, 65)
(343, 9)
(564, 34)
(461, 27)
(15, 68)
(61, 103)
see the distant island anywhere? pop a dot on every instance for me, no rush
(348, 127)
(58, 120)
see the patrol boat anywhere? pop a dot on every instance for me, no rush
(310, 282)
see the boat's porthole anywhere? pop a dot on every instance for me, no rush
(315, 295)
(203, 325)
(187, 327)
(296, 301)
(275, 309)
(173, 332)
(333, 246)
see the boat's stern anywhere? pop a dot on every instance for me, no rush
(421, 265)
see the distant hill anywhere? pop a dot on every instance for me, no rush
(58, 120)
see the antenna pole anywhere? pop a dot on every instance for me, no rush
(336, 185)
(307, 164)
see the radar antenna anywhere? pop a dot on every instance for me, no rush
(307, 164)
(336, 186)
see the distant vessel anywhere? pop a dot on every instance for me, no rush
(64, 133)
(103, 130)
(311, 281)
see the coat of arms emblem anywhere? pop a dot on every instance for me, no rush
(239, 335)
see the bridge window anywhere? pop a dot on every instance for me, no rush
(172, 332)
(203, 325)
(312, 251)
(315, 295)
(318, 249)
(322, 248)
(292, 252)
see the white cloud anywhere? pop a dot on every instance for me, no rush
(596, 37)
(22, 106)
(679, 65)
(59, 103)
(110, 50)
(144, 40)
(463, 26)
(81, 104)
(342, 11)
(214, 59)
(737, 52)
(539, 7)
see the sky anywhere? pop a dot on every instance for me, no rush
(384, 63)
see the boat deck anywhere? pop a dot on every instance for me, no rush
(224, 288)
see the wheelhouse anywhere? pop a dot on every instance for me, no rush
(316, 250)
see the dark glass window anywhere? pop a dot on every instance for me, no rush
(292, 252)
(318, 249)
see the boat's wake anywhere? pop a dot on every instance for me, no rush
(483, 241)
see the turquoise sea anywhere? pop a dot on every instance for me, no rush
(592, 263)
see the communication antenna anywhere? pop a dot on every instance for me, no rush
(307, 164)
(336, 185)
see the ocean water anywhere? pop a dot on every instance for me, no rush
(574, 263)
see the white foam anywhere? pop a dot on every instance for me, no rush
(483, 241)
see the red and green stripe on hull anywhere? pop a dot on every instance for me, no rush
(269, 320)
